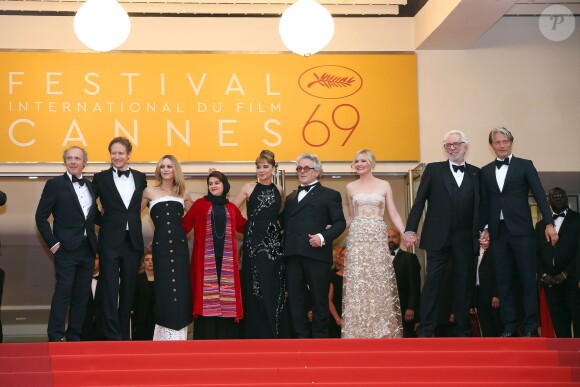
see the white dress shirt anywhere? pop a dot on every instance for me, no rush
(457, 175)
(500, 175)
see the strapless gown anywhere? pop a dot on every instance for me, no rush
(173, 306)
(371, 307)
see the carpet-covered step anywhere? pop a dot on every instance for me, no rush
(113, 361)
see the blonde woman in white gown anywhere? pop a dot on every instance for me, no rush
(371, 306)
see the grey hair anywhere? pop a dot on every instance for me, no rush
(503, 131)
(312, 157)
(85, 154)
(457, 132)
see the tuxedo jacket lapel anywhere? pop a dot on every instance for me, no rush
(137, 189)
(298, 205)
(564, 224)
(448, 178)
(471, 173)
(490, 171)
(291, 202)
(514, 165)
(112, 186)
(93, 201)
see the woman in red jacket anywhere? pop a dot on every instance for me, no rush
(215, 279)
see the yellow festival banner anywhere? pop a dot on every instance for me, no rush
(208, 107)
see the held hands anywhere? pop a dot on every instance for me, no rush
(410, 239)
(314, 240)
(560, 277)
(409, 315)
(551, 234)
(484, 239)
(547, 280)
(495, 302)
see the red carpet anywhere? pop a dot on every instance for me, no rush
(433, 362)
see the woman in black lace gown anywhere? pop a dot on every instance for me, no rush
(263, 274)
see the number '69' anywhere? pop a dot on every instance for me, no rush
(313, 125)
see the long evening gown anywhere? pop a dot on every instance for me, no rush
(370, 298)
(173, 307)
(263, 269)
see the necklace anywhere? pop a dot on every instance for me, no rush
(214, 229)
(170, 191)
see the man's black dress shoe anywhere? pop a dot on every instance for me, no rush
(53, 340)
(508, 334)
(532, 334)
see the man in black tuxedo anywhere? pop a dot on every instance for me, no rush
(408, 274)
(452, 190)
(70, 199)
(313, 219)
(506, 182)
(121, 246)
(558, 265)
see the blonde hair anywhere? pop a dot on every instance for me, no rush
(369, 156)
(178, 178)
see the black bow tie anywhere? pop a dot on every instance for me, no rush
(499, 163)
(458, 168)
(393, 253)
(562, 214)
(305, 187)
(81, 181)
(121, 173)
(96, 277)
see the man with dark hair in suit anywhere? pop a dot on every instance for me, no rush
(408, 274)
(70, 199)
(452, 190)
(313, 218)
(121, 246)
(558, 265)
(506, 182)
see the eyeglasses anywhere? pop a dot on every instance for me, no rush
(304, 169)
(559, 196)
(450, 145)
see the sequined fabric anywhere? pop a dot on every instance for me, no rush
(165, 334)
(263, 269)
(371, 306)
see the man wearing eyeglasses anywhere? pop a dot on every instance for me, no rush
(450, 232)
(558, 265)
(313, 219)
(506, 182)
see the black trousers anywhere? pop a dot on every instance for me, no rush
(564, 304)
(74, 271)
(118, 276)
(515, 257)
(303, 272)
(489, 317)
(459, 248)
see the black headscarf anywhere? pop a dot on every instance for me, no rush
(220, 200)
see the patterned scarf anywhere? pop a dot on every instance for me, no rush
(219, 298)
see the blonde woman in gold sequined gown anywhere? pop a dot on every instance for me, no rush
(370, 298)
